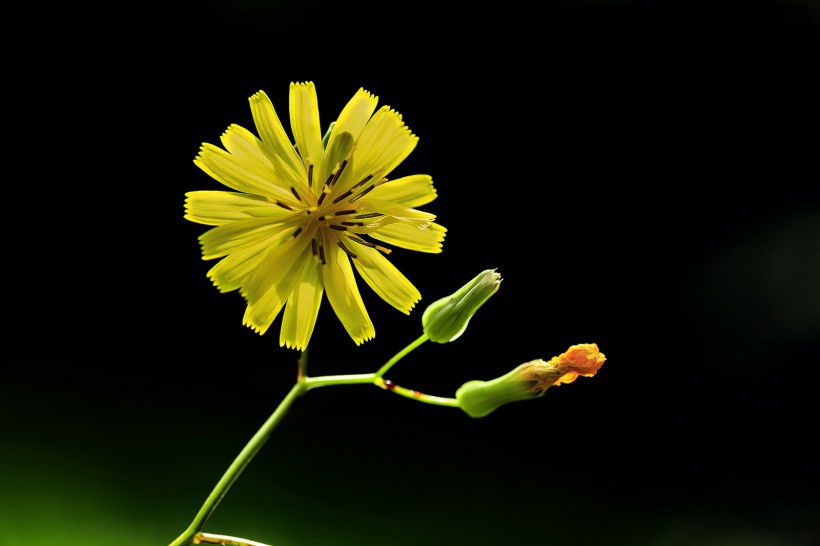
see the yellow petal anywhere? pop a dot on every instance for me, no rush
(273, 280)
(275, 141)
(355, 114)
(410, 191)
(249, 151)
(227, 238)
(383, 277)
(419, 238)
(302, 308)
(343, 294)
(351, 121)
(244, 177)
(384, 143)
(304, 121)
(233, 270)
(215, 208)
(400, 212)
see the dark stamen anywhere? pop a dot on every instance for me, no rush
(343, 212)
(338, 172)
(321, 198)
(345, 194)
(338, 228)
(365, 192)
(330, 176)
(352, 223)
(371, 245)
(296, 195)
(367, 178)
(310, 175)
(298, 231)
(370, 215)
(347, 251)
(313, 246)
(322, 254)
(363, 180)
(284, 206)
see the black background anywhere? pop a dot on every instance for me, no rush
(642, 174)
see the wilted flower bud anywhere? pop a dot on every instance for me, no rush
(446, 319)
(529, 380)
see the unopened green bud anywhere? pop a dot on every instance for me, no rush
(529, 380)
(446, 319)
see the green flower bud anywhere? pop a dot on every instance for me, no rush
(480, 398)
(529, 380)
(446, 319)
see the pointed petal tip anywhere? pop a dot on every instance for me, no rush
(259, 95)
(247, 320)
(288, 344)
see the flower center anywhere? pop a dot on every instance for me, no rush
(339, 214)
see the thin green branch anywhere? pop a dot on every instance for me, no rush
(388, 385)
(401, 354)
(194, 535)
(245, 456)
(349, 379)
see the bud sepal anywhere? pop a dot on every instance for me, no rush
(446, 319)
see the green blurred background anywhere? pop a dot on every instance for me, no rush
(642, 174)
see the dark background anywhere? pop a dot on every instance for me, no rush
(642, 174)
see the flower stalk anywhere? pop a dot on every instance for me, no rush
(242, 460)
(194, 535)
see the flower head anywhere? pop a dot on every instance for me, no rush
(303, 216)
(529, 380)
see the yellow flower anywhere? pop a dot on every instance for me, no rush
(301, 214)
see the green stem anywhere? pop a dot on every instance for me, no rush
(193, 535)
(370, 378)
(416, 395)
(301, 374)
(401, 354)
(349, 379)
(238, 465)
